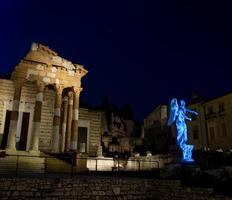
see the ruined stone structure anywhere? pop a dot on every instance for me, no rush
(117, 134)
(39, 107)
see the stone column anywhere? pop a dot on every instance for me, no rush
(69, 121)
(56, 119)
(64, 124)
(11, 141)
(74, 136)
(37, 116)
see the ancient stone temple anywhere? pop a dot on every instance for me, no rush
(39, 106)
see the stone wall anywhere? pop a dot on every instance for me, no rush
(27, 103)
(86, 187)
(6, 94)
(93, 121)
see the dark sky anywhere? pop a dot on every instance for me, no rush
(137, 52)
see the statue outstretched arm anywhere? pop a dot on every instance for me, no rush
(191, 111)
(188, 118)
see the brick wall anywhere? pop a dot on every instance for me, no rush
(90, 187)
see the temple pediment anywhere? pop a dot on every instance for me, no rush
(43, 64)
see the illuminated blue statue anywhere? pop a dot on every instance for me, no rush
(178, 114)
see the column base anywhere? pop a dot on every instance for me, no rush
(10, 148)
(11, 151)
(34, 152)
(55, 151)
(21, 153)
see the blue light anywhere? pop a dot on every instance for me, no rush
(178, 115)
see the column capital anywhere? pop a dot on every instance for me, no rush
(40, 86)
(77, 90)
(59, 88)
(70, 94)
(19, 83)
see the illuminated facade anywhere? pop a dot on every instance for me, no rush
(39, 111)
(213, 128)
(39, 107)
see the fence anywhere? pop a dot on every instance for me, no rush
(117, 164)
(43, 166)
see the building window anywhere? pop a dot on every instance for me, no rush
(223, 126)
(210, 110)
(195, 133)
(221, 107)
(212, 133)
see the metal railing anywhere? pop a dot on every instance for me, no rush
(44, 166)
(117, 164)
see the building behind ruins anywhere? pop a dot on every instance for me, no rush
(155, 131)
(212, 128)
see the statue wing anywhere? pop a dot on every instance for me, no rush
(173, 111)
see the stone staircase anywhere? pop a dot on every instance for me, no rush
(65, 164)
(21, 166)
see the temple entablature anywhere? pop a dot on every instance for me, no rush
(44, 65)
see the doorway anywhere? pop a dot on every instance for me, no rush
(24, 131)
(6, 129)
(82, 139)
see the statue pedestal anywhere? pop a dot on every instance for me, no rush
(176, 152)
(81, 161)
(187, 162)
(189, 171)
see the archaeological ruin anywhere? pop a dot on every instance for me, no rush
(40, 116)
(39, 106)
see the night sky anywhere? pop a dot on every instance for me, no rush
(137, 52)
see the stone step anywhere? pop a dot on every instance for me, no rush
(21, 165)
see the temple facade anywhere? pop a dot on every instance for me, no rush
(39, 107)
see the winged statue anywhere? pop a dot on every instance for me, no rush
(178, 115)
